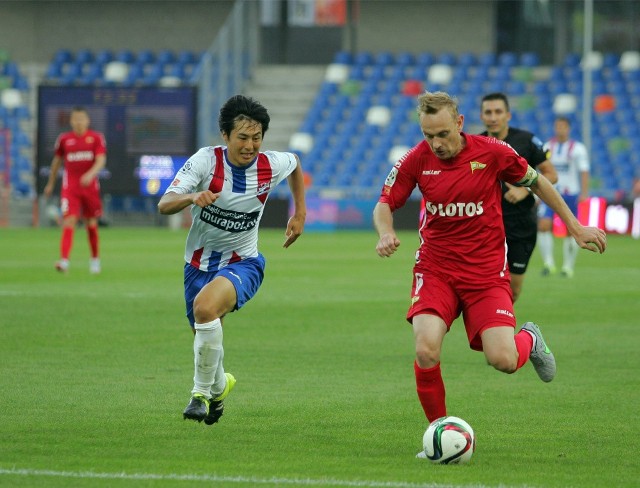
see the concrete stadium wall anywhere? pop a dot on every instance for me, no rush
(33, 30)
(427, 26)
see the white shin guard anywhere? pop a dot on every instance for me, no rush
(207, 356)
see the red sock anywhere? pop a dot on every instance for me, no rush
(524, 344)
(66, 242)
(92, 232)
(430, 389)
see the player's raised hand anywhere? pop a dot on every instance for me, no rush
(387, 245)
(204, 198)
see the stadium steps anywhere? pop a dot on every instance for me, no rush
(287, 92)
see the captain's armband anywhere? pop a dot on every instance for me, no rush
(530, 177)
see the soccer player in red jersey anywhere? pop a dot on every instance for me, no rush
(461, 266)
(83, 152)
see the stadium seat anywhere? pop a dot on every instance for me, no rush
(629, 61)
(11, 98)
(336, 73)
(440, 74)
(116, 72)
(593, 61)
(343, 57)
(508, 59)
(125, 56)
(529, 59)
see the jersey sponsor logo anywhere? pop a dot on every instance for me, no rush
(459, 209)
(186, 167)
(229, 220)
(477, 165)
(80, 156)
(429, 172)
(175, 182)
(502, 311)
(263, 188)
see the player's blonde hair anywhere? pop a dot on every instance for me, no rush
(432, 103)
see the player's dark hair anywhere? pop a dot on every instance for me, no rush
(79, 108)
(239, 107)
(496, 96)
(566, 120)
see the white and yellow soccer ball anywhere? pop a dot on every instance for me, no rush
(449, 440)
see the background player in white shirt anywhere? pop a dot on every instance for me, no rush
(227, 188)
(571, 161)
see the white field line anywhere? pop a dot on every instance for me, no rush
(232, 479)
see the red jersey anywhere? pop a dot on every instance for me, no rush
(78, 153)
(462, 233)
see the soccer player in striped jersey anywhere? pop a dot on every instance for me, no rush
(571, 159)
(461, 265)
(226, 188)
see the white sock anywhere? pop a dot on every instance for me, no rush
(545, 244)
(569, 253)
(207, 353)
(220, 380)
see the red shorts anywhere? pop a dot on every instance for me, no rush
(483, 305)
(74, 199)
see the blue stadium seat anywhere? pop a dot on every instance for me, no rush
(145, 56)
(405, 58)
(84, 56)
(103, 56)
(529, 59)
(467, 59)
(343, 57)
(446, 58)
(508, 59)
(165, 56)
(424, 59)
(487, 59)
(572, 59)
(363, 58)
(125, 55)
(63, 56)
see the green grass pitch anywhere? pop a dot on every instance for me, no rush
(95, 372)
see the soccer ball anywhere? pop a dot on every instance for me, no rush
(449, 440)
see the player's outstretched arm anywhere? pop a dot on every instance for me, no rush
(388, 242)
(590, 238)
(295, 225)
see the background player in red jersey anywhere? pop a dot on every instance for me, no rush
(83, 152)
(461, 264)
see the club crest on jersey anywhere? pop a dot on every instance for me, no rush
(263, 188)
(477, 165)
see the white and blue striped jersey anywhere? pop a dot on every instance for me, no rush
(227, 230)
(570, 158)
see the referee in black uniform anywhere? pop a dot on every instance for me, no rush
(518, 204)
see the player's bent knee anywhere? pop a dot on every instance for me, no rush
(503, 362)
(426, 357)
